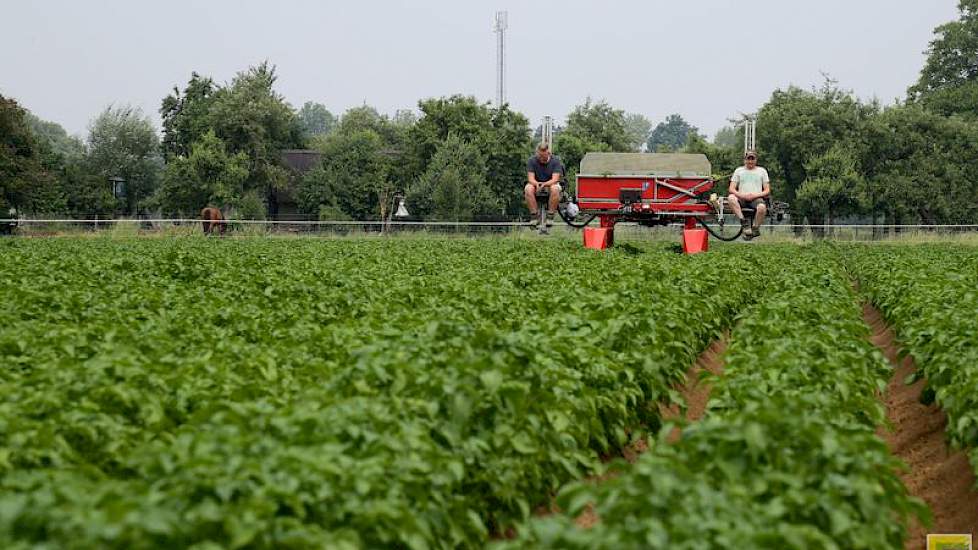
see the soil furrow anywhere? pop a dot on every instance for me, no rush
(696, 394)
(942, 477)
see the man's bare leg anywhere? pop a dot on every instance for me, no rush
(734, 205)
(554, 199)
(530, 194)
(759, 213)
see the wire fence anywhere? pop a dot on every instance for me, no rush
(188, 226)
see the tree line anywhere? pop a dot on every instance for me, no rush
(830, 154)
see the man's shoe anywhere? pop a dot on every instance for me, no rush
(550, 219)
(756, 230)
(748, 232)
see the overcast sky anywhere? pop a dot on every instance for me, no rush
(705, 59)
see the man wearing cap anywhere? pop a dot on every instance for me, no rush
(749, 186)
(543, 173)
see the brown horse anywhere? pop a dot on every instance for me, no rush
(212, 217)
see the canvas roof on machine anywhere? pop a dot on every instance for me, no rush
(646, 164)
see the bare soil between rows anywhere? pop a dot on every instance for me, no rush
(696, 394)
(942, 477)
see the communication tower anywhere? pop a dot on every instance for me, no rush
(548, 130)
(500, 24)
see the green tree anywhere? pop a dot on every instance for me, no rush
(599, 123)
(315, 119)
(24, 183)
(729, 136)
(796, 125)
(187, 116)
(921, 167)
(74, 189)
(638, 128)
(500, 135)
(463, 116)
(354, 176)
(506, 158)
(123, 143)
(86, 192)
(723, 160)
(405, 118)
(832, 186)
(58, 141)
(671, 135)
(208, 177)
(591, 127)
(948, 83)
(251, 118)
(453, 187)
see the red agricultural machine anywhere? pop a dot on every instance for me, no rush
(649, 189)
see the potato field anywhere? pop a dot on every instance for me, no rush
(467, 393)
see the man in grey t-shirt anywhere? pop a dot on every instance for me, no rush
(543, 172)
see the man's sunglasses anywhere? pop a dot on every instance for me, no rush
(751, 158)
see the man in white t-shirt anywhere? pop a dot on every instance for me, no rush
(749, 186)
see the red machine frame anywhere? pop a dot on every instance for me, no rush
(648, 200)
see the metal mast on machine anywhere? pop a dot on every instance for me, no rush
(750, 132)
(500, 24)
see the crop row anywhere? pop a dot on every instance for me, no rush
(787, 455)
(328, 394)
(930, 295)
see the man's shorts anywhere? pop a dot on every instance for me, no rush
(544, 192)
(752, 204)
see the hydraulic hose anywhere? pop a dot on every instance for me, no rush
(576, 225)
(717, 235)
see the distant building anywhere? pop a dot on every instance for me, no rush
(281, 203)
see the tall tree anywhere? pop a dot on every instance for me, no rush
(729, 136)
(506, 158)
(591, 126)
(123, 143)
(796, 125)
(208, 177)
(453, 187)
(599, 122)
(832, 186)
(501, 135)
(638, 128)
(921, 166)
(723, 160)
(58, 140)
(250, 117)
(670, 135)
(315, 119)
(948, 83)
(21, 173)
(187, 116)
(355, 176)
(405, 118)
